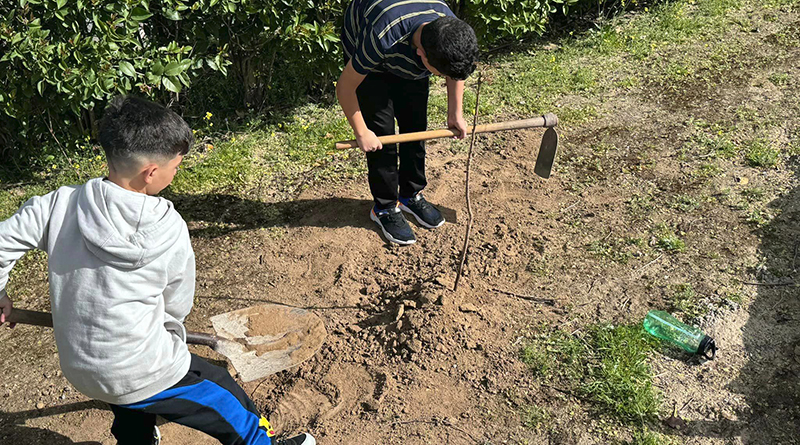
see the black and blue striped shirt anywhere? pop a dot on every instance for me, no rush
(377, 34)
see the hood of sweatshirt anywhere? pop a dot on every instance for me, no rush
(124, 228)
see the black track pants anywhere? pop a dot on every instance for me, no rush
(383, 98)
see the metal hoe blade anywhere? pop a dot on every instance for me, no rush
(547, 153)
(262, 340)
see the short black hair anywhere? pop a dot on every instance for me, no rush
(450, 46)
(135, 130)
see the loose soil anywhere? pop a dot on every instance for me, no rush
(407, 360)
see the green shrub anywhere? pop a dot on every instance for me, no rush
(62, 60)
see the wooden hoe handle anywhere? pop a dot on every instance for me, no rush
(548, 120)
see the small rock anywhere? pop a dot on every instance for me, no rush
(414, 345)
(468, 307)
(444, 280)
(354, 328)
(410, 304)
(371, 404)
(40, 405)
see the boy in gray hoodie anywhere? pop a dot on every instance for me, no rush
(122, 278)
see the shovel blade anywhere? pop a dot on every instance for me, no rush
(547, 153)
(263, 340)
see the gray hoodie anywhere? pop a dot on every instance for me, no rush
(122, 275)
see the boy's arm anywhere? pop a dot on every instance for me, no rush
(25, 230)
(179, 294)
(455, 107)
(346, 93)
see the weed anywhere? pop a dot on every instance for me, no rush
(759, 217)
(715, 145)
(534, 416)
(540, 267)
(666, 240)
(735, 297)
(616, 250)
(779, 79)
(685, 203)
(645, 436)
(686, 300)
(640, 205)
(761, 153)
(753, 194)
(707, 171)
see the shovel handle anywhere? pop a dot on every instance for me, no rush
(45, 319)
(548, 120)
(199, 338)
(34, 318)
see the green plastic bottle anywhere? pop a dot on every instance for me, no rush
(664, 326)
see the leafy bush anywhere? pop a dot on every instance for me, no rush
(496, 20)
(61, 59)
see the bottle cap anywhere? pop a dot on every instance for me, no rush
(707, 348)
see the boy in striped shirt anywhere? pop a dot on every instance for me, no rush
(391, 48)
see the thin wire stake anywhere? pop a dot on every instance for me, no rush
(466, 192)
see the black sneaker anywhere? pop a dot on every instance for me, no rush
(303, 439)
(156, 435)
(394, 225)
(427, 215)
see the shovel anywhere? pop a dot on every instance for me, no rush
(259, 340)
(547, 151)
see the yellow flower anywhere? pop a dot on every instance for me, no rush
(77, 166)
(211, 124)
(54, 166)
(208, 115)
(209, 147)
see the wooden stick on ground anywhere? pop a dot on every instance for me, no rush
(469, 165)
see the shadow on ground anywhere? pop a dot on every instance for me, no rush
(769, 380)
(13, 431)
(216, 215)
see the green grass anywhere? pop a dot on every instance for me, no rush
(605, 365)
(762, 153)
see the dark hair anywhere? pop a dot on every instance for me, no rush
(450, 46)
(135, 130)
